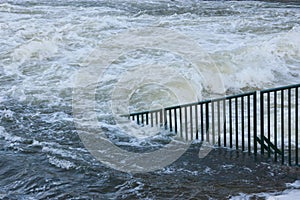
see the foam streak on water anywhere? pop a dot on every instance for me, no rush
(44, 44)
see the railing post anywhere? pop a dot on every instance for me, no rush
(269, 122)
(236, 124)
(243, 123)
(197, 122)
(191, 122)
(255, 122)
(213, 121)
(202, 122)
(249, 123)
(224, 110)
(262, 122)
(161, 117)
(170, 120)
(219, 125)
(230, 122)
(296, 126)
(289, 127)
(185, 122)
(207, 121)
(151, 118)
(275, 123)
(175, 118)
(282, 126)
(180, 121)
(138, 119)
(165, 119)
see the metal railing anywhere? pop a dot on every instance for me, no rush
(253, 122)
(279, 117)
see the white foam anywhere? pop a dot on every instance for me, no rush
(285, 195)
(61, 152)
(35, 49)
(9, 137)
(250, 60)
(61, 163)
(295, 185)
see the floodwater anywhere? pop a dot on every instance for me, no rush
(185, 50)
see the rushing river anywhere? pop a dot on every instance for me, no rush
(171, 52)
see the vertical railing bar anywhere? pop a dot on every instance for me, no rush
(269, 123)
(275, 124)
(236, 124)
(165, 119)
(202, 122)
(161, 117)
(297, 126)
(207, 122)
(219, 125)
(191, 121)
(282, 126)
(230, 122)
(225, 116)
(243, 123)
(197, 122)
(170, 120)
(249, 124)
(262, 115)
(289, 127)
(175, 119)
(185, 121)
(151, 116)
(255, 122)
(142, 115)
(180, 122)
(213, 121)
(133, 117)
(138, 119)
(147, 118)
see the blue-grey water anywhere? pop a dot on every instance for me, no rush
(45, 45)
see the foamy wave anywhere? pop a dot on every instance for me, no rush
(285, 195)
(262, 62)
(9, 137)
(35, 49)
(61, 163)
(61, 152)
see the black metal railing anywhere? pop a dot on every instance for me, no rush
(254, 122)
(279, 117)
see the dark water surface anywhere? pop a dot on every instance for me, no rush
(62, 169)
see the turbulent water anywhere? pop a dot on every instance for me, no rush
(185, 51)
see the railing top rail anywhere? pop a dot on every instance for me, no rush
(211, 100)
(193, 104)
(142, 112)
(217, 99)
(280, 88)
